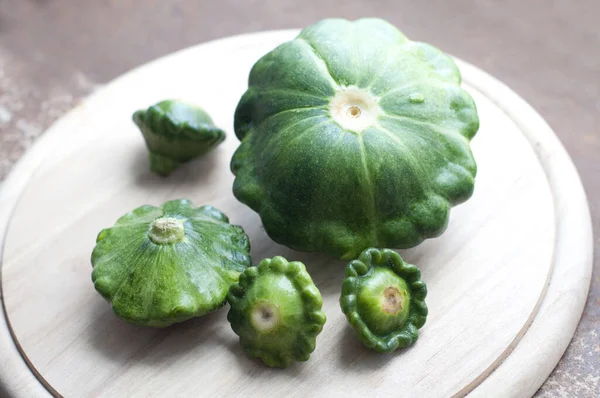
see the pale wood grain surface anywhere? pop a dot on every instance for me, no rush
(106, 177)
(537, 353)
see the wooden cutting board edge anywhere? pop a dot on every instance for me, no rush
(538, 352)
(521, 371)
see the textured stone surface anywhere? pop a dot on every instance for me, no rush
(26, 108)
(53, 52)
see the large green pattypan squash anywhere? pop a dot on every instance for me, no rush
(353, 136)
(161, 265)
(276, 311)
(176, 132)
(384, 300)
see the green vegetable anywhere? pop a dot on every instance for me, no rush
(384, 300)
(176, 132)
(356, 137)
(161, 265)
(276, 311)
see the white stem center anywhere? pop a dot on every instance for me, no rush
(167, 230)
(354, 109)
(265, 316)
(392, 300)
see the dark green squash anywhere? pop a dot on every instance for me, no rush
(353, 136)
(176, 132)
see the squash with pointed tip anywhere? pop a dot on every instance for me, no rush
(176, 132)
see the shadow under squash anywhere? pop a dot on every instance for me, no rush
(194, 173)
(354, 356)
(123, 342)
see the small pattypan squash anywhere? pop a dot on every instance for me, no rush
(161, 265)
(276, 311)
(355, 136)
(384, 300)
(176, 132)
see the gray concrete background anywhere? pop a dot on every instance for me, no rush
(54, 52)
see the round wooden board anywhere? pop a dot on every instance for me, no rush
(487, 275)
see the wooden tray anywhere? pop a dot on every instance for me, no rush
(507, 281)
